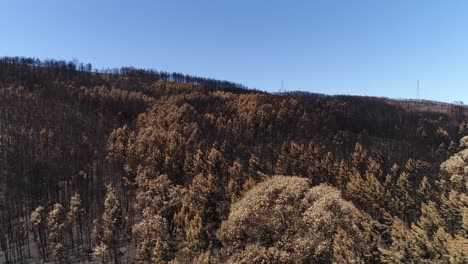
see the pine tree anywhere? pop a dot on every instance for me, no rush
(109, 247)
(399, 251)
(75, 223)
(206, 258)
(420, 245)
(355, 189)
(117, 144)
(451, 205)
(430, 219)
(56, 223)
(374, 189)
(39, 224)
(344, 248)
(296, 159)
(425, 191)
(367, 191)
(256, 170)
(403, 203)
(359, 159)
(391, 178)
(464, 229)
(342, 176)
(96, 237)
(152, 235)
(198, 163)
(249, 184)
(157, 200)
(199, 216)
(236, 180)
(174, 157)
(216, 165)
(284, 163)
(195, 235)
(218, 171)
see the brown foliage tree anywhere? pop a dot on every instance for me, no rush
(290, 222)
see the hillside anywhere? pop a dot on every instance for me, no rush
(139, 166)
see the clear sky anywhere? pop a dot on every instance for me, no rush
(335, 47)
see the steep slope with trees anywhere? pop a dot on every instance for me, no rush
(139, 166)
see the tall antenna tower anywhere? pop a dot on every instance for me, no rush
(417, 90)
(282, 86)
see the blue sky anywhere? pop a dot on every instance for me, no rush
(378, 48)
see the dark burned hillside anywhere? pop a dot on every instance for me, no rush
(128, 165)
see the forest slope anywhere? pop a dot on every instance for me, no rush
(128, 165)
